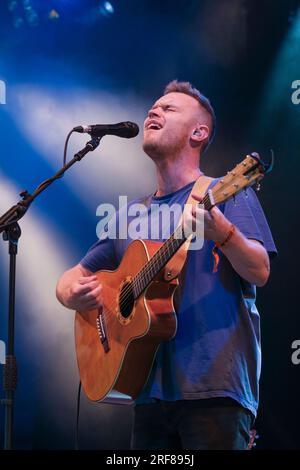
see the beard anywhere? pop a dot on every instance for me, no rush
(166, 145)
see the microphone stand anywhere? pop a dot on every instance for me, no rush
(11, 233)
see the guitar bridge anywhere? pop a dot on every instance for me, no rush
(100, 322)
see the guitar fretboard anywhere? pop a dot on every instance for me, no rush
(150, 270)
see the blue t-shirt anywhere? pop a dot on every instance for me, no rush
(216, 350)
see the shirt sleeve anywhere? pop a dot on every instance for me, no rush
(101, 255)
(246, 213)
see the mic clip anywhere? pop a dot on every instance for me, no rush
(89, 147)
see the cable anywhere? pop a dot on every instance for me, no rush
(66, 146)
(76, 446)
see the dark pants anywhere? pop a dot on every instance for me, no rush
(208, 424)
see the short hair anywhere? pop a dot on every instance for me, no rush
(188, 89)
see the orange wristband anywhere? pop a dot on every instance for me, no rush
(219, 245)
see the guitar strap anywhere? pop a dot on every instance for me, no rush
(176, 263)
(200, 187)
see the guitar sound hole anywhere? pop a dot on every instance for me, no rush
(126, 300)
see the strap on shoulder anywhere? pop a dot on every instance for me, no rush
(176, 263)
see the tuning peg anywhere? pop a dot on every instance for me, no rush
(246, 193)
(258, 186)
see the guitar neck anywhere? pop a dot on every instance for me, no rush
(150, 270)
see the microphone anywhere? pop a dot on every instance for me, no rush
(121, 129)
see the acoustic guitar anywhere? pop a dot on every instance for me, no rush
(116, 345)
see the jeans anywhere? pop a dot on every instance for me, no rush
(206, 424)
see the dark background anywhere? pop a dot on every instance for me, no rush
(244, 55)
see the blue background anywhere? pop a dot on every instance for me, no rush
(85, 67)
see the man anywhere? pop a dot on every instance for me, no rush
(202, 392)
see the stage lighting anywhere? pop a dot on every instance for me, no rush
(23, 10)
(53, 15)
(30, 14)
(15, 9)
(12, 5)
(106, 9)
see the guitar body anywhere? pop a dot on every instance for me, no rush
(116, 346)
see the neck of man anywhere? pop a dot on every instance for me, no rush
(174, 174)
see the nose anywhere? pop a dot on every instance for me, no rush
(152, 113)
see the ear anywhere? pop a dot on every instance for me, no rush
(199, 134)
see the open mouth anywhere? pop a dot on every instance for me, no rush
(152, 125)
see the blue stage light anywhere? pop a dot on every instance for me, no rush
(22, 11)
(30, 14)
(106, 8)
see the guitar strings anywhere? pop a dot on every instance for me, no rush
(158, 256)
(142, 280)
(151, 266)
(154, 263)
(125, 299)
(157, 259)
(163, 250)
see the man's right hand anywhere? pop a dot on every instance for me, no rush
(85, 294)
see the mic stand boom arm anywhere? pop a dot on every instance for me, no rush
(11, 233)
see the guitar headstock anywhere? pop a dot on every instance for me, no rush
(251, 170)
